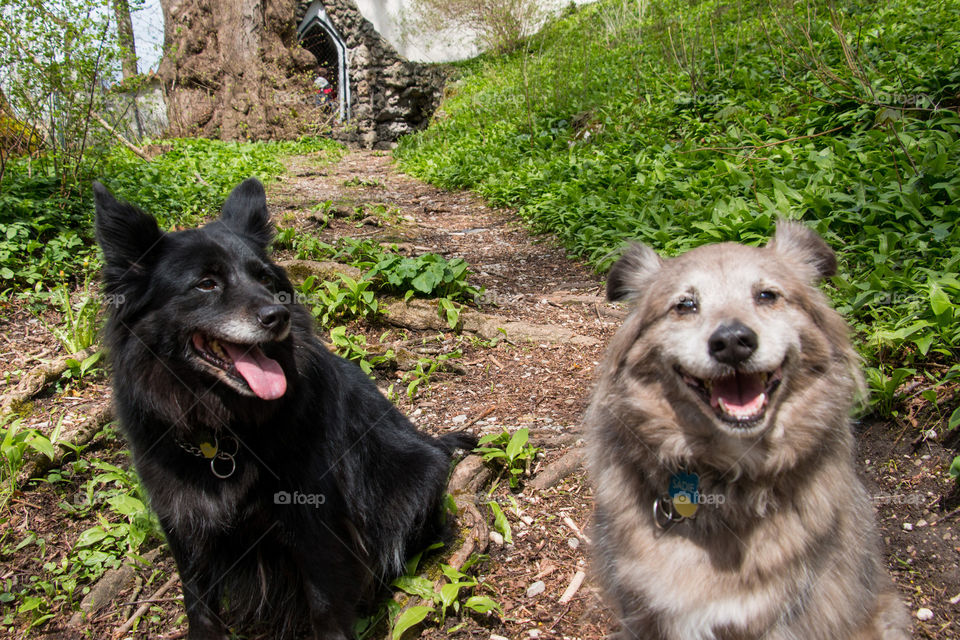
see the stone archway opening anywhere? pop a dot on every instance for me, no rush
(318, 36)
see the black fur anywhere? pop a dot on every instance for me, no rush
(247, 560)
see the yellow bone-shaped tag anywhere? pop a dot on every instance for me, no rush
(208, 449)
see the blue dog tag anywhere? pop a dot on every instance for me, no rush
(684, 491)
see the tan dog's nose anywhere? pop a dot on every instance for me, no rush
(732, 343)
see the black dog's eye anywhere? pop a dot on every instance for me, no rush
(265, 279)
(767, 297)
(207, 284)
(686, 305)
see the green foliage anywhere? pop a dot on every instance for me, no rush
(500, 522)
(81, 323)
(15, 442)
(511, 451)
(346, 299)
(428, 275)
(354, 347)
(420, 375)
(707, 122)
(440, 601)
(46, 234)
(124, 523)
(55, 61)
(190, 180)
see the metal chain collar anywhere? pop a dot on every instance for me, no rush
(214, 452)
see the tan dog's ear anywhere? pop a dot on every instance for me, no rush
(628, 275)
(803, 245)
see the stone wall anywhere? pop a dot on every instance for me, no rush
(391, 96)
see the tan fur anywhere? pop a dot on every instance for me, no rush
(792, 553)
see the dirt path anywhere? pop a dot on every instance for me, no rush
(506, 382)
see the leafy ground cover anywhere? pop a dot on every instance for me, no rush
(46, 230)
(707, 121)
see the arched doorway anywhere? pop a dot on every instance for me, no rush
(318, 36)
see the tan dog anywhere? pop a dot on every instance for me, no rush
(727, 505)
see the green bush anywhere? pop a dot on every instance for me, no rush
(46, 237)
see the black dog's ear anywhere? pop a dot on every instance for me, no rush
(245, 211)
(125, 233)
(128, 238)
(627, 275)
(804, 246)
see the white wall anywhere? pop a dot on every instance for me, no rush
(388, 18)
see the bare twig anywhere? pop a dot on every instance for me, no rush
(126, 626)
(116, 134)
(573, 587)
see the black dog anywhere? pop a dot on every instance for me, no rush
(290, 490)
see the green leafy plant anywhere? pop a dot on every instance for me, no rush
(15, 442)
(77, 369)
(354, 347)
(420, 375)
(81, 322)
(439, 601)
(512, 452)
(348, 298)
(427, 275)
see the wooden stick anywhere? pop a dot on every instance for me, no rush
(573, 587)
(126, 626)
(116, 134)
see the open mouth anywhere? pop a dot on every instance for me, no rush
(740, 399)
(244, 366)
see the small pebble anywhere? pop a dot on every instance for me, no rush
(924, 614)
(534, 634)
(907, 526)
(460, 419)
(496, 538)
(921, 523)
(573, 543)
(536, 589)
(496, 637)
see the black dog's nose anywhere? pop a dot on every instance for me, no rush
(732, 343)
(273, 316)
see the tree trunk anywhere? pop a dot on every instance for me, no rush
(233, 69)
(121, 9)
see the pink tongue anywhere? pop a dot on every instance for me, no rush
(264, 375)
(742, 393)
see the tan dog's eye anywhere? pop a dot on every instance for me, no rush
(686, 305)
(767, 297)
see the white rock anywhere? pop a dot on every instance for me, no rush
(496, 538)
(924, 614)
(534, 634)
(573, 543)
(908, 526)
(460, 419)
(536, 589)
(496, 637)
(921, 523)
